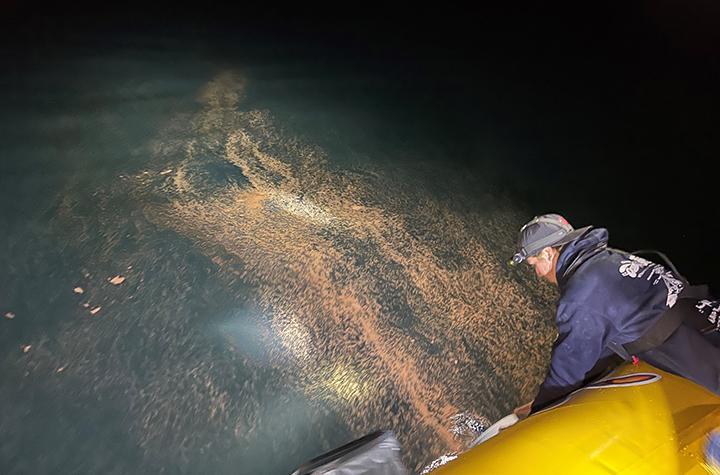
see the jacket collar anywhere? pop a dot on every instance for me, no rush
(574, 253)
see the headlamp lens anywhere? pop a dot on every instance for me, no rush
(516, 259)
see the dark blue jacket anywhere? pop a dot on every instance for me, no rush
(605, 295)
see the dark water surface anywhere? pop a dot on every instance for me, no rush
(308, 230)
(298, 267)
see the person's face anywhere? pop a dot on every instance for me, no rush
(544, 264)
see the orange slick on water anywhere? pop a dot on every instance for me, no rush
(637, 420)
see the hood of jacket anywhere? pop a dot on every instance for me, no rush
(574, 253)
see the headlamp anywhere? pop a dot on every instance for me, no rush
(517, 258)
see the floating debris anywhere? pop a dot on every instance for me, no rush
(467, 427)
(25, 348)
(117, 280)
(442, 460)
(9, 315)
(95, 310)
(467, 423)
(78, 290)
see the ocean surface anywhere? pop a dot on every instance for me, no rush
(215, 265)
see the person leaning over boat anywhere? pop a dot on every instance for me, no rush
(614, 302)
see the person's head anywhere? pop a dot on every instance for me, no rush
(541, 241)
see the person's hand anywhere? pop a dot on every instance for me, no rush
(507, 421)
(523, 411)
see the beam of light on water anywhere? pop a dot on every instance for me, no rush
(248, 334)
(371, 299)
(393, 314)
(303, 209)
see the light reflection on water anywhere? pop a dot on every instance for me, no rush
(278, 300)
(245, 331)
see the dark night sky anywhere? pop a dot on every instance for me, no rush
(607, 115)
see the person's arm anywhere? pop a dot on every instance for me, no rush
(579, 345)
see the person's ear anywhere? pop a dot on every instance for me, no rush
(547, 254)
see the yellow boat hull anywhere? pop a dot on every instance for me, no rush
(638, 420)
